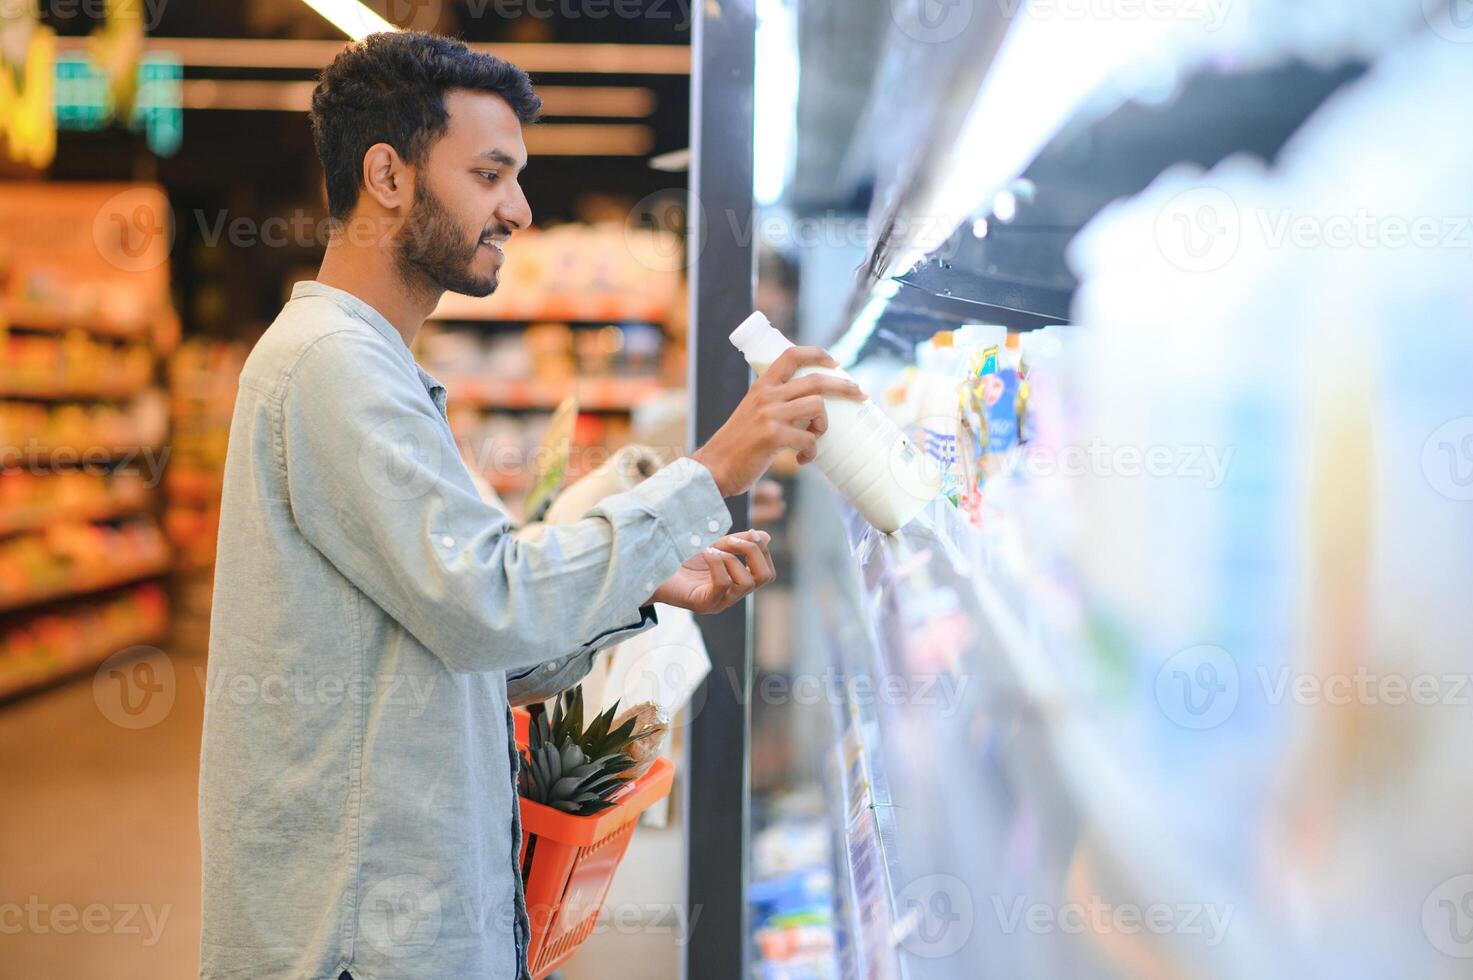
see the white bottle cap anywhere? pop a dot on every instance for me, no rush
(759, 341)
(980, 336)
(751, 330)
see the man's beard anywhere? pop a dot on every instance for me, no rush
(428, 249)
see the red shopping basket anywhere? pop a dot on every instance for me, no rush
(573, 860)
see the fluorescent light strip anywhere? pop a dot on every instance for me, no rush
(601, 101)
(567, 59)
(351, 17)
(557, 100)
(589, 140)
(205, 93)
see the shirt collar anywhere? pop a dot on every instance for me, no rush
(355, 306)
(376, 320)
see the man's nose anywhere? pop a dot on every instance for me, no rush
(515, 212)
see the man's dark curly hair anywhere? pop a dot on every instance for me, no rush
(390, 88)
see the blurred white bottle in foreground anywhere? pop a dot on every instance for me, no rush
(864, 454)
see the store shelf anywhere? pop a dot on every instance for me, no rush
(31, 518)
(619, 316)
(13, 388)
(84, 584)
(594, 394)
(21, 675)
(68, 455)
(31, 316)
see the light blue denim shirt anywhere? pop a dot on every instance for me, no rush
(373, 617)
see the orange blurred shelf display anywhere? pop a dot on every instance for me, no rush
(48, 317)
(594, 394)
(74, 366)
(29, 501)
(71, 559)
(85, 318)
(50, 645)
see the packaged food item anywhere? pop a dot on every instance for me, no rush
(651, 722)
(979, 347)
(864, 454)
(939, 370)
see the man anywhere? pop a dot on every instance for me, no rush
(372, 615)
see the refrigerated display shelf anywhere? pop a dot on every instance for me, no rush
(866, 826)
(84, 584)
(1044, 769)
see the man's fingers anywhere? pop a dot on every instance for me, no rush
(798, 357)
(823, 385)
(752, 546)
(741, 577)
(802, 441)
(720, 574)
(802, 411)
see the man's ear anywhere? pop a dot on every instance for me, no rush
(387, 178)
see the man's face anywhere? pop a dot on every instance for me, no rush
(467, 200)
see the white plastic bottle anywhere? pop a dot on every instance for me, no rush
(864, 454)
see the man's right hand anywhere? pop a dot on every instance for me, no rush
(779, 412)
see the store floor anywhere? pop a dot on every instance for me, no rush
(99, 845)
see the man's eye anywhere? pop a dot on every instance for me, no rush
(489, 175)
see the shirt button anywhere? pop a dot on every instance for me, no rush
(549, 668)
(448, 541)
(713, 526)
(695, 540)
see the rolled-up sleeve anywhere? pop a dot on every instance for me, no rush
(542, 682)
(376, 485)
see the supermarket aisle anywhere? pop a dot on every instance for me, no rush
(98, 842)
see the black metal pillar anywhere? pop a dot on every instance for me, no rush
(722, 281)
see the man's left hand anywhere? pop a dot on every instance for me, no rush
(720, 576)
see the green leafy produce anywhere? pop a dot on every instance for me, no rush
(571, 768)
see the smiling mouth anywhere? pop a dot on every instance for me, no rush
(494, 243)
